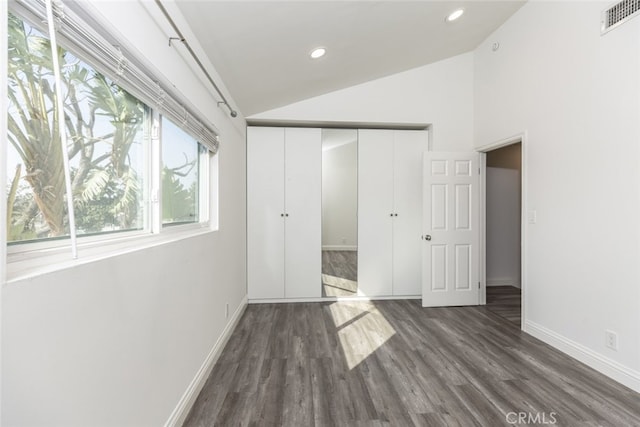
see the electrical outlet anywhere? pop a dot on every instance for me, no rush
(226, 311)
(611, 340)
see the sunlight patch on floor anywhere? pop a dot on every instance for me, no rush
(340, 283)
(362, 330)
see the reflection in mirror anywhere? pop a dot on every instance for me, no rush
(339, 212)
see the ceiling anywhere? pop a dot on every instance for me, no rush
(261, 48)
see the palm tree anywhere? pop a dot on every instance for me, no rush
(32, 128)
(126, 115)
(91, 102)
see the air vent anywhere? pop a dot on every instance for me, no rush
(619, 14)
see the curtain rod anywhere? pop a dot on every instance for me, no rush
(181, 38)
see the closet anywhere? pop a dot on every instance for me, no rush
(390, 211)
(283, 212)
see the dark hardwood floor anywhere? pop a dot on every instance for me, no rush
(394, 363)
(505, 301)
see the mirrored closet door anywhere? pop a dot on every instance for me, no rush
(339, 212)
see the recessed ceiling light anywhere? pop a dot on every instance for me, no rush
(318, 52)
(455, 15)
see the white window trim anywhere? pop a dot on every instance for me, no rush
(204, 187)
(40, 262)
(3, 149)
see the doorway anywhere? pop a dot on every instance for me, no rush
(503, 232)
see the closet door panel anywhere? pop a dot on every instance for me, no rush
(303, 223)
(375, 206)
(407, 226)
(265, 205)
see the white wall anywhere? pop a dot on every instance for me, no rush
(576, 94)
(117, 342)
(440, 94)
(340, 197)
(503, 227)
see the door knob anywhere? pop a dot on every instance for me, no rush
(427, 237)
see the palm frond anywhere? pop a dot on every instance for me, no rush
(11, 198)
(95, 184)
(130, 195)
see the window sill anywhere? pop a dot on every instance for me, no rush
(27, 265)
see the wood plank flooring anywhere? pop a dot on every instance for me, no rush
(339, 273)
(394, 363)
(505, 301)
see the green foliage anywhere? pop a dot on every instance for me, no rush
(102, 121)
(179, 204)
(108, 202)
(13, 190)
(31, 121)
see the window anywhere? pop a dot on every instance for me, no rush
(105, 145)
(181, 155)
(108, 142)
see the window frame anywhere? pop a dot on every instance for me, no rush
(28, 257)
(204, 166)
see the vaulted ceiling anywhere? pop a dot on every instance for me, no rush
(261, 48)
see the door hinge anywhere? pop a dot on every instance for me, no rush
(478, 171)
(478, 285)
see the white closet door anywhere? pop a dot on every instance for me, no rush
(375, 207)
(265, 207)
(409, 147)
(303, 221)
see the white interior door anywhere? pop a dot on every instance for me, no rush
(303, 213)
(409, 147)
(375, 209)
(451, 229)
(265, 210)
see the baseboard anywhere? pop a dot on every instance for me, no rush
(339, 248)
(505, 281)
(614, 370)
(330, 299)
(179, 414)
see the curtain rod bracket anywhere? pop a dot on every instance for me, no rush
(176, 38)
(232, 112)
